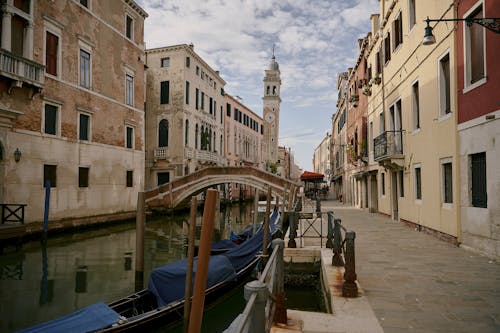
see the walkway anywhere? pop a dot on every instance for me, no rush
(416, 283)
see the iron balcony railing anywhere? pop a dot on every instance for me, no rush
(388, 144)
(21, 69)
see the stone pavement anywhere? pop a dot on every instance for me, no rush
(417, 283)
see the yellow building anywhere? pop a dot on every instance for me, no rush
(412, 117)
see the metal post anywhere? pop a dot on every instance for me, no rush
(255, 210)
(266, 222)
(350, 288)
(337, 244)
(292, 217)
(280, 310)
(318, 206)
(140, 223)
(329, 236)
(200, 281)
(258, 319)
(190, 259)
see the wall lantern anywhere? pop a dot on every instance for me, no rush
(492, 24)
(17, 155)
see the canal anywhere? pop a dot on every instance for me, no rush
(43, 282)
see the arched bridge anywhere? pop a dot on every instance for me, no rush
(173, 193)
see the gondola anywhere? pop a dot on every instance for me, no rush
(162, 303)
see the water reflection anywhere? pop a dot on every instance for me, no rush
(49, 279)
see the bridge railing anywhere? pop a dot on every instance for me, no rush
(265, 297)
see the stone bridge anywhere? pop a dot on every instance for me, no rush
(172, 194)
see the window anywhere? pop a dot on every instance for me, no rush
(50, 174)
(163, 178)
(129, 27)
(196, 137)
(412, 16)
(188, 62)
(165, 62)
(84, 69)
(479, 196)
(129, 90)
(187, 92)
(83, 177)
(444, 85)
(228, 110)
(397, 27)
(378, 63)
(221, 114)
(51, 52)
(210, 105)
(415, 106)
(84, 127)
(401, 184)
(50, 119)
(129, 137)
(202, 100)
(474, 49)
(197, 70)
(381, 123)
(418, 183)
(84, 3)
(387, 48)
(186, 133)
(164, 92)
(130, 178)
(447, 181)
(163, 133)
(382, 183)
(197, 98)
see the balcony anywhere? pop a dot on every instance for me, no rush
(161, 153)
(388, 149)
(21, 70)
(203, 156)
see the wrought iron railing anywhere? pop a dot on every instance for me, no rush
(388, 144)
(21, 69)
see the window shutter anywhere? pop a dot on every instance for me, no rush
(51, 45)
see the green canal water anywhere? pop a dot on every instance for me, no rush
(40, 283)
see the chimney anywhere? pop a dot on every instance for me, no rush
(375, 23)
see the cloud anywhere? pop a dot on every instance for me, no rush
(314, 39)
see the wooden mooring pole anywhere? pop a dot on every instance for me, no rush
(140, 223)
(200, 281)
(190, 259)
(266, 222)
(255, 210)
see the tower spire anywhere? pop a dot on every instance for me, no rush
(273, 52)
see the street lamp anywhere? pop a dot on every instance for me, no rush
(492, 23)
(17, 155)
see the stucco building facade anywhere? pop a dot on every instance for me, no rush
(412, 114)
(185, 114)
(478, 78)
(72, 106)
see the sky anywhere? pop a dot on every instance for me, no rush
(314, 41)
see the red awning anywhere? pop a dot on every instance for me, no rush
(311, 176)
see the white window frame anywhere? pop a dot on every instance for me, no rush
(442, 162)
(417, 166)
(414, 108)
(133, 136)
(87, 8)
(54, 28)
(412, 12)
(89, 114)
(467, 64)
(132, 31)
(441, 88)
(58, 105)
(87, 48)
(129, 99)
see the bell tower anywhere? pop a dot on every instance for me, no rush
(271, 113)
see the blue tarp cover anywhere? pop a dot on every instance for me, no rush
(92, 318)
(241, 255)
(167, 283)
(223, 244)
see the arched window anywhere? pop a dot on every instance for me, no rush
(196, 137)
(163, 133)
(186, 133)
(267, 90)
(274, 90)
